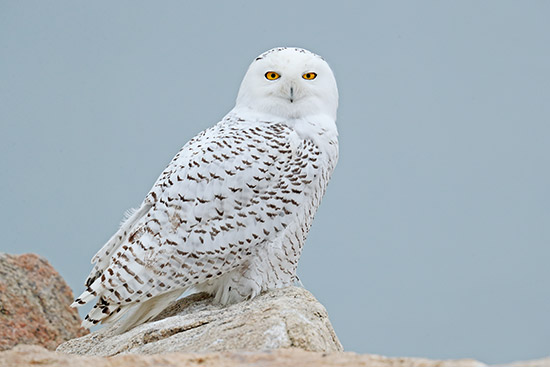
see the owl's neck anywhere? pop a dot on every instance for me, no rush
(319, 128)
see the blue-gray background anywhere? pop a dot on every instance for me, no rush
(433, 238)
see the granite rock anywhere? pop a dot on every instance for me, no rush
(34, 303)
(31, 356)
(281, 318)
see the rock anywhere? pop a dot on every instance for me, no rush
(32, 356)
(281, 318)
(545, 362)
(34, 303)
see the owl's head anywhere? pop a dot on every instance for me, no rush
(289, 83)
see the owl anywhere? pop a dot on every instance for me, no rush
(230, 214)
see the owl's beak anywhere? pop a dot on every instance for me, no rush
(291, 94)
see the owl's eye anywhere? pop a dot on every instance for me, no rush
(271, 75)
(309, 76)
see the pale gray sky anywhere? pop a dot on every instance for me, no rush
(433, 238)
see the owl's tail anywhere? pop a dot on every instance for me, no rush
(103, 312)
(148, 310)
(139, 313)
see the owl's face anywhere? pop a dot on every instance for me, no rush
(289, 83)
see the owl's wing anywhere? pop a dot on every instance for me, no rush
(231, 188)
(102, 257)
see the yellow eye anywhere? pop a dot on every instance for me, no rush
(271, 75)
(309, 76)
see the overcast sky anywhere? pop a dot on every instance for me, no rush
(433, 237)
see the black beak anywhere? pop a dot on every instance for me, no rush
(291, 94)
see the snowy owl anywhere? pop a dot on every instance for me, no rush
(230, 213)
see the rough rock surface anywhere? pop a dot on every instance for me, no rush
(34, 303)
(31, 356)
(282, 318)
(544, 362)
